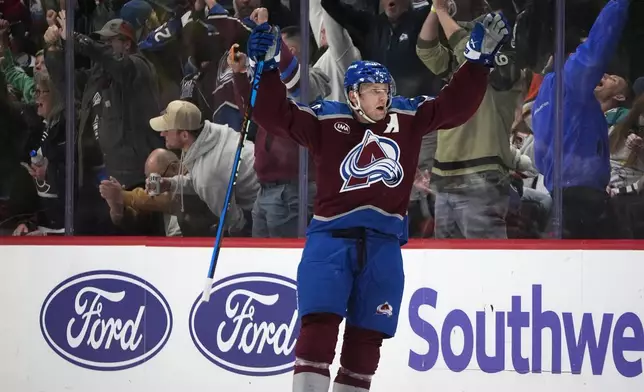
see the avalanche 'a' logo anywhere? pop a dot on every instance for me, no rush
(373, 160)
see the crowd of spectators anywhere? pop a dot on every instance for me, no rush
(154, 94)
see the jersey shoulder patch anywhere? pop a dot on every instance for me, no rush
(218, 9)
(403, 104)
(326, 109)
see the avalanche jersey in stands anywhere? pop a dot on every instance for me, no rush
(228, 31)
(365, 172)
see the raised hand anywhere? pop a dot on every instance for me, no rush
(52, 35)
(448, 6)
(51, 18)
(442, 5)
(4, 27)
(237, 60)
(264, 44)
(259, 16)
(62, 20)
(486, 39)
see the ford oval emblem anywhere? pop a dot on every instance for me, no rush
(105, 320)
(250, 324)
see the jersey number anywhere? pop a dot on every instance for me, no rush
(162, 34)
(500, 59)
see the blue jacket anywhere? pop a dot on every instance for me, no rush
(585, 133)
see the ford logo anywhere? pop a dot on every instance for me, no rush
(105, 320)
(250, 324)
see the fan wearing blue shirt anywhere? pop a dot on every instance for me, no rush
(588, 93)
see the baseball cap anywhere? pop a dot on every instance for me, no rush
(178, 115)
(136, 12)
(116, 27)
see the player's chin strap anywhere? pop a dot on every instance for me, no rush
(358, 108)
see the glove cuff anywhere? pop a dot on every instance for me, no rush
(268, 64)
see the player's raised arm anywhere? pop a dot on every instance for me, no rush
(459, 100)
(273, 111)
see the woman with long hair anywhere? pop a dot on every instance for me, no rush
(91, 216)
(49, 172)
(627, 170)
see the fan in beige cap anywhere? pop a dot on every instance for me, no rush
(178, 116)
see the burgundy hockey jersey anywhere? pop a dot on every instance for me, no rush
(231, 30)
(365, 172)
(225, 30)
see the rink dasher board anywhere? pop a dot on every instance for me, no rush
(102, 318)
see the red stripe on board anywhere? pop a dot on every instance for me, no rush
(298, 243)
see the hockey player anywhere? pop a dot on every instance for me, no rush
(366, 153)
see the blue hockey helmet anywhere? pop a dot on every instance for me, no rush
(360, 72)
(367, 72)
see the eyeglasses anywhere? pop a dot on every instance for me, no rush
(38, 93)
(173, 164)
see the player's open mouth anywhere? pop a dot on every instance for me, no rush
(391, 4)
(382, 108)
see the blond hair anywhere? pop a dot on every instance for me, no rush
(43, 80)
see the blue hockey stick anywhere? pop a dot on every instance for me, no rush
(233, 179)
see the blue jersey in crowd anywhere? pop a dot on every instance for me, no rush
(585, 133)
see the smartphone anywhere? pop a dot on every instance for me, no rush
(101, 175)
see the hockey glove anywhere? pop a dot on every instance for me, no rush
(486, 39)
(264, 44)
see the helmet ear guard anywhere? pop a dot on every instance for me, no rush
(392, 91)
